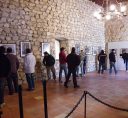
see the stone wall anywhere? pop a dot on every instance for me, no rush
(46, 20)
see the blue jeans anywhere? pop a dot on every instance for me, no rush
(82, 67)
(12, 81)
(112, 64)
(30, 80)
(126, 64)
(73, 72)
(2, 83)
(62, 67)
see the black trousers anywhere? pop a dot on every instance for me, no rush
(73, 72)
(2, 83)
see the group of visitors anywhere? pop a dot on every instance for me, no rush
(68, 63)
(102, 57)
(9, 65)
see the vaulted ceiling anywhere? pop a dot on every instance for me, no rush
(100, 2)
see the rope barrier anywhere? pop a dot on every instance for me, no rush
(117, 108)
(84, 95)
(75, 106)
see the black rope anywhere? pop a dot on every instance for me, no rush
(117, 108)
(75, 106)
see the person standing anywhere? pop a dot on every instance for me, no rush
(13, 76)
(102, 59)
(112, 60)
(73, 61)
(29, 67)
(5, 68)
(82, 62)
(125, 58)
(49, 62)
(62, 61)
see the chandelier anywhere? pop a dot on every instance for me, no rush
(111, 10)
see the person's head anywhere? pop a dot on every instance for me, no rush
(62, 49)
(113, 50)
(102, 52)
(81, 50)
(9, 50)
(28, 50)
(2, 49)
(46, 53)
(73, 50)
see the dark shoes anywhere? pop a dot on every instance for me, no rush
(66, 86)
(60, 81)
(77, 86)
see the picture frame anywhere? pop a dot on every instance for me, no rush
(123, 50)
(23, 46)
(45, 47)
(95, 50)
(11, 45)
(77, 48)
(88, 50)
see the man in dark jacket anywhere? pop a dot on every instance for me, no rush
(13, 77)
(5, 68)
(73, 61)
(49, 62)
(112, 60)
(125, 58)
(102, 59)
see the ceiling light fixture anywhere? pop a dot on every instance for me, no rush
(111, 10)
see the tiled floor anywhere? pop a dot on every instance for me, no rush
(112, 89)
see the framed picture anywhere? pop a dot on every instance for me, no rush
(123, 50)
(77, 47)
(95, 50)
(88, 49)
(11, 45)
(99, 49)
(45, 47)
(23, 47)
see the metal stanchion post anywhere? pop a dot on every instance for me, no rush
(1, 113)
(85, 92)
(45, 98)
(20, 101)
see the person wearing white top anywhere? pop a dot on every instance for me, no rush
(29, 68)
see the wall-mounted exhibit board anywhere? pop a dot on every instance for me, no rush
(118, 46)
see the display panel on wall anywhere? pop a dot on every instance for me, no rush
(45, 47)
(13, 46)
(94, 50)
(123, 50)
(77, 48)
(88, 49)
(23, 46)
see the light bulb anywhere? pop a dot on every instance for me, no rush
(112, 7)
(96, 14)
(123, 8)
(108, 17)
